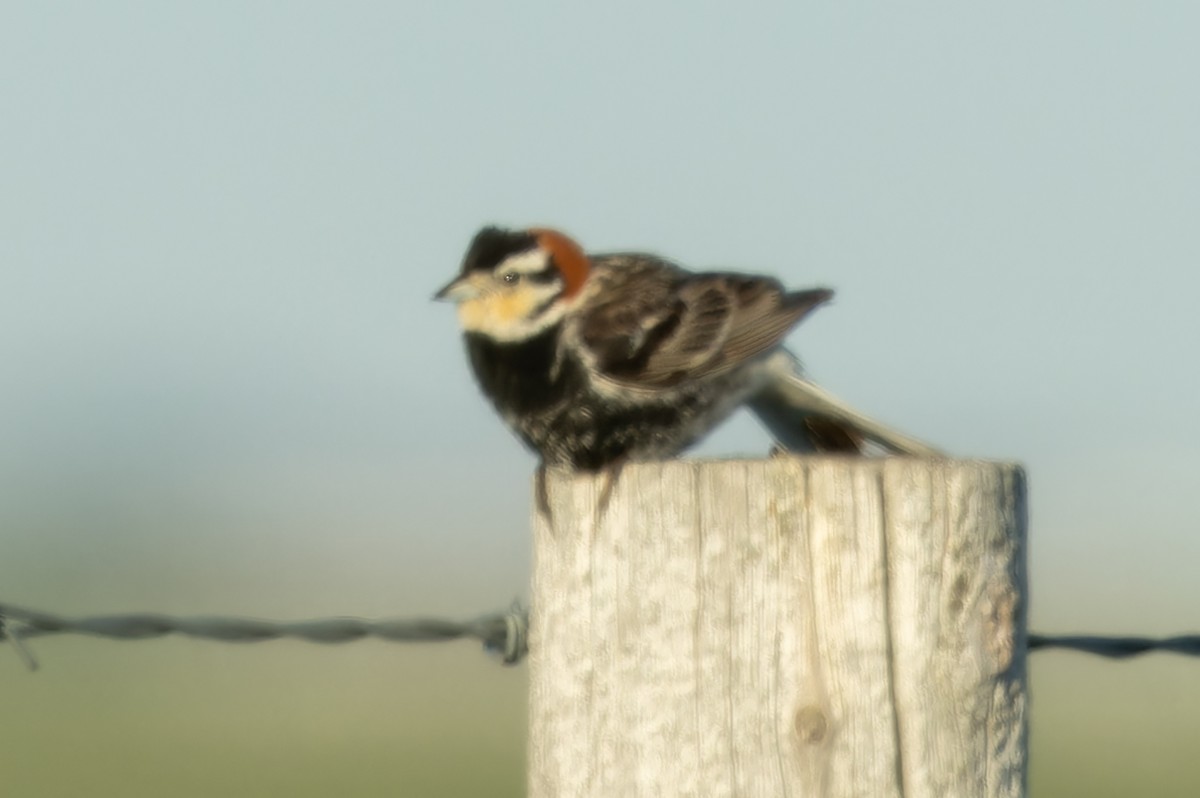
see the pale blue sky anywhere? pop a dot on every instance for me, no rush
(221, 224)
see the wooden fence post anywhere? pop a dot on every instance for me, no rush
(815, 626)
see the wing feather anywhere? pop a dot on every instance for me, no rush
(658, 325)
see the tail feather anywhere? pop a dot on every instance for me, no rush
(803, 417)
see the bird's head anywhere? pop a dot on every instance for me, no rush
(515, 284)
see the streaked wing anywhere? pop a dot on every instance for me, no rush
(658, 325)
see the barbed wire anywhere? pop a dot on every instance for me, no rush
(1117, 647)
(505, 634)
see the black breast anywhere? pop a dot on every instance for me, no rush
(523, 378)
(549, 403)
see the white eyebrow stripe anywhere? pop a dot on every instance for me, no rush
(531, 262)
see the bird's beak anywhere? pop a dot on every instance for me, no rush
(460, 289)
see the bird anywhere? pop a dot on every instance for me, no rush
(598, 360)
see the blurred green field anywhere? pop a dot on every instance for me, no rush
(187, 718)
(192, 718)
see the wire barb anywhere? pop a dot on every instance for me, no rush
(18, 644)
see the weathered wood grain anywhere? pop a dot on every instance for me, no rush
(783, 627)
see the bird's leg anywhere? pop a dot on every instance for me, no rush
(608, 476)
(541, 494)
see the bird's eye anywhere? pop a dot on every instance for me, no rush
(511, 278)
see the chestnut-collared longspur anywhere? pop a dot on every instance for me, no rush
(597, 360)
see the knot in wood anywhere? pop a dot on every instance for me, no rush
(812, 724)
